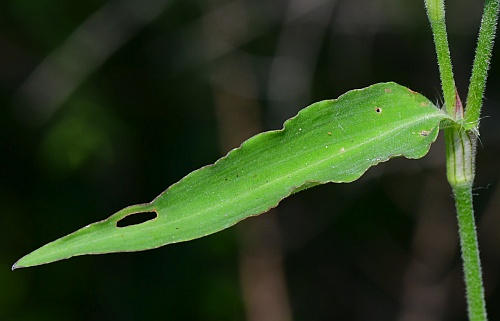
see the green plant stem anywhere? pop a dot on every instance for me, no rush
(470, 254)
(461, 139)
(460, 152)
(436, 15)
(481, 63)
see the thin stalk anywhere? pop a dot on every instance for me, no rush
(470, 254)
(436, 15)
(481, 63)
(460, 152)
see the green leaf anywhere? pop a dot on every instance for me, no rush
(329, 141)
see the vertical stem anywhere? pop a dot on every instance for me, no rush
(460, 157)
(461, 139)
(481, 65)
(436, 15)
(470, 254)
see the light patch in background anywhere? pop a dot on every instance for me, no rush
(82, 134)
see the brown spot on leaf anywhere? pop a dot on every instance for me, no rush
(424, 133)
(387, 90)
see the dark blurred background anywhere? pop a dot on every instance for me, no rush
(104, 104)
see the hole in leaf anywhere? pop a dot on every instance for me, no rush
(378, 110)
(136, 218)
(424, 133)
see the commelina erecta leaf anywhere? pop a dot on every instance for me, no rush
(329, 141)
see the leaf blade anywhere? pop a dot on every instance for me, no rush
(329, 141)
